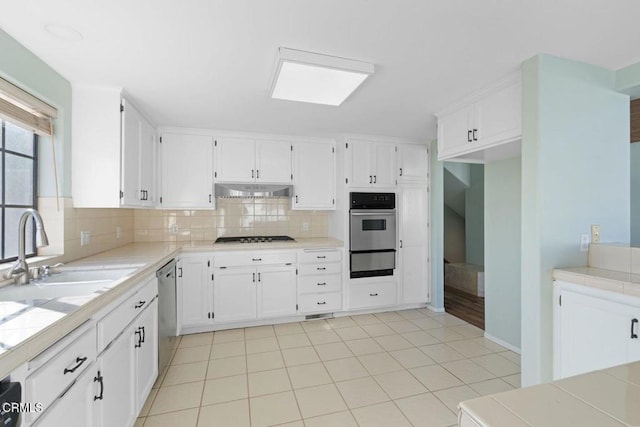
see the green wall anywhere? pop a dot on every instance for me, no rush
(502, 224)
(635, 194)
(474, 216)
(436, 205)
(575, 172)
(22, 68)
(454, 235)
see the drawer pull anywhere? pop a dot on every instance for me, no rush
(79, 361)
(139, 304)
(256, 259)
(321, 303)
(322, 268)
(321, 256)
(373, 295)
(99, 379)
(322, 284)
(633, 333)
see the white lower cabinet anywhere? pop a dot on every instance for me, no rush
(195, 291)
(145, 332)
(234, 294)
(372, 294)
(320, 281)
(276, 294)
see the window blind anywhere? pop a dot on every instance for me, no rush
(24, 109)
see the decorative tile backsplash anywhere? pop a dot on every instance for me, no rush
(232, 217)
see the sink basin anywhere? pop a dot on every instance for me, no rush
(74, 276)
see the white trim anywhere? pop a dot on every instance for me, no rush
(435, 309)
(502, 343)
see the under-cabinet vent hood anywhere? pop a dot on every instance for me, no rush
(253, 190)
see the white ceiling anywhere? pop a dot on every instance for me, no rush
(208, 63)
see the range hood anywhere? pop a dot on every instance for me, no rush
(253, 190)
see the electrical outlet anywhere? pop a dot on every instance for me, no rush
(595, 233)
(305, 226)
(584, 242)
(118, 232)
(174, 229)
(85, 238)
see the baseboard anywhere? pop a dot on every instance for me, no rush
(502, 343)
(435, 309)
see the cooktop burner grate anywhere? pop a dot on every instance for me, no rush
(254, 239)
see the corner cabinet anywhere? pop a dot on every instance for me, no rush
(484, 127)
(372, 164)
(314, 172)
(110, 136)
(195, 291)
(245, 160)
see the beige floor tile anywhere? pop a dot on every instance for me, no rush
(341, 322)
(468, 331)
(468, 348)
(364, 346)
(229, 335)
(393, 342)
(468, 371)
(227, 349)
(184, 418)
(381, 415)
(497, 365)
(195, 340)
(400, 384)
(320, 325)
(264, 361)
(300, 356)
(435, 377)
(259, 332)
(411, 314)
(319, 400)
(352, 333)
(361, 392)
(426, 323)
(420, 338)
(268, 382)
(446, 334)
(513, 380)
(403, 326)
(147, 404)
(388, 316)
(308, 375)
(273, 409)
(288, 329)
(191, 354)
(226, 414)
(323, 337)
(227, 367)
(377, 329)
(452, 396)
(339, 419)
(494, 347)
(332, 351)
(365, 319)
(346, 369)
(262, 345)
(291, 424)
(426, 410)
(293, 340)
(412, 358)
(139, 421)
(186, 373)
(177, 397)
(441, 353)
(379, 363)
(225, 389)
(448, 320)
(493, 386)
(511, 357)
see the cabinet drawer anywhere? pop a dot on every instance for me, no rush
(319, 283)
(110, 326)
(320, 303)
(253, 258)
(320, 268)
(46, 383)
(320, 256)
(372, 295)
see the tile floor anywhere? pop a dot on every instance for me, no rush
(404, 368)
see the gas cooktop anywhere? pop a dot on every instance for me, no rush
(254, 239)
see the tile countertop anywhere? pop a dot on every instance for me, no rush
(29, 327)
(608, 280)
(600, 399)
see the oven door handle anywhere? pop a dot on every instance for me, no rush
(374, 213)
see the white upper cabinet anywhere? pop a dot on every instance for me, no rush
(372, 164)
(112, 153)
(413, 163)
(314, 165)
(244, 160)
(186, 171)
(486, 126)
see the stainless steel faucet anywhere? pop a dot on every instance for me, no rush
(20, 270)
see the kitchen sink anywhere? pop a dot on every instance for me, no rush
(67, 277)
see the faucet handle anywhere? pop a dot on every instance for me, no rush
(48, 270)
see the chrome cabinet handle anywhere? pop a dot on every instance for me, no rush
(139, 304)
(321, 268)
(139, 335)
(321, 256)
(209, 198)
(259, 279)
(321, 303)
(99, 379)
(634, 322)
(400, 171)
(257, 173)
(474, 134)
(322, 284)
(254, 277)
(370, 179)
(469, 135)
(400, 243)
(373, 295)
(256, 259)
(252, 173)
(179, 271)
(79, 362)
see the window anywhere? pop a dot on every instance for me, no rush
(18, 182)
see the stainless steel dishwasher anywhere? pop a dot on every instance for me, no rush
(167, 321)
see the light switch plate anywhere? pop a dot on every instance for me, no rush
(118, 232)
(85, 238)
(305, 226)
(595, 233)
(584, 242)
(174, 229)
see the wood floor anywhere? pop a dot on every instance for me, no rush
(465, 306)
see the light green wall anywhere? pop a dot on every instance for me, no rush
(575, 172)
(454, 236)
(628, 80)
(474, 216)
(502, 224)
(24, 69)
(635, 194)
(436, 206)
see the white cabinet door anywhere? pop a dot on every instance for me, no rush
(194, 290)
(498, 116)
(147, 164)
(361, 163)
(314, 175)
(276, 291)
(187, 171)
(146, 352)
(131, 135)
(384, 173)
(115, 403)
(273, 161)
(455, 132)
(413, 163)
(235, 160)
(234, 294)
(594, 333)
(414, 242)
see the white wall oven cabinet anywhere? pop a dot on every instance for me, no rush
(371, 163)
(413, 163)
(244, 160)
(186, 171)
(314, 175)
(413, 247)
